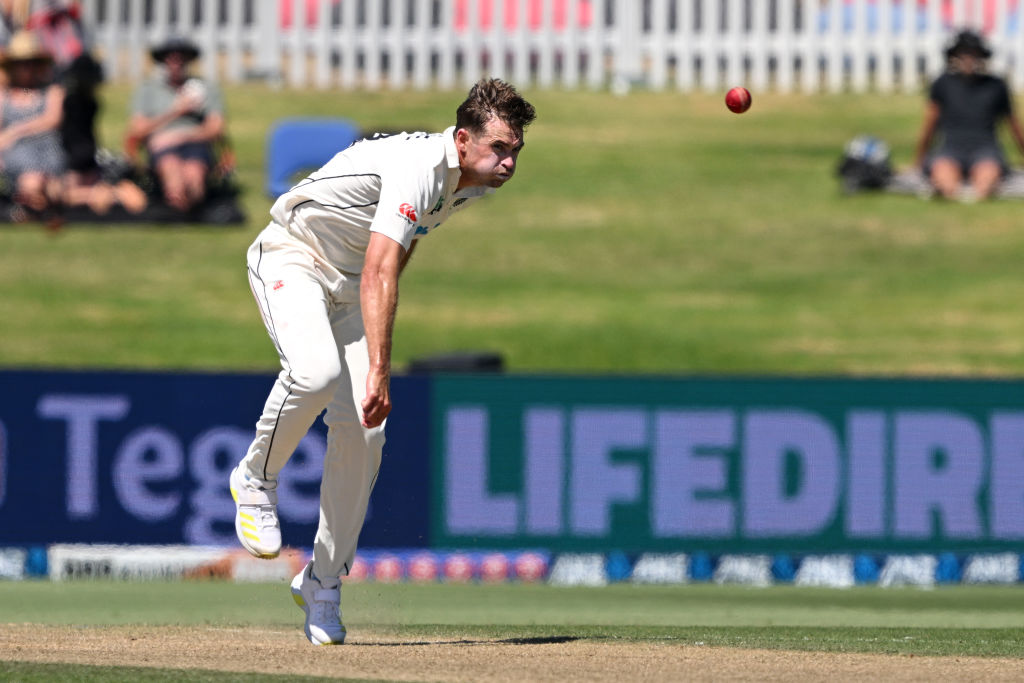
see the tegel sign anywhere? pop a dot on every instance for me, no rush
(739, 465)
(144, 458)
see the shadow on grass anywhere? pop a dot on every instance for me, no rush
(539, 640)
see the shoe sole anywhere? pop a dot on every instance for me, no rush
(241, 533)
(297, 597)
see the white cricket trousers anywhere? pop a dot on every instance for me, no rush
(312, 313)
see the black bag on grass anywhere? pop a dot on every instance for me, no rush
(865, 165)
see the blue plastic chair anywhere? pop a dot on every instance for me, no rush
(302, 145)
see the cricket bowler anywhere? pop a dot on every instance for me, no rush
(325, 273)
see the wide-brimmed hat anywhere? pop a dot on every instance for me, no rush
(968, 42)
(25, 46)
(178, 44)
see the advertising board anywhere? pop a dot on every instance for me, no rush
(728, 465)
(108, 457)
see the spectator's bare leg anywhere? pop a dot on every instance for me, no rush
(194, 175)
(76, 190)
(170, 169)
(985, 177)
(946, 177)
(100, 198)
(130, 196)
(80, 190)
(31, 190)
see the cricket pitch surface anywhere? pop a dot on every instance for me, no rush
(369, 655)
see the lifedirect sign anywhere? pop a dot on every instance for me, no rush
(745, 466)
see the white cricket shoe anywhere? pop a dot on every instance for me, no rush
(256, 520)
(321, 601)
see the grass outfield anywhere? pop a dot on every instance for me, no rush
(965, 621)
(651, 233)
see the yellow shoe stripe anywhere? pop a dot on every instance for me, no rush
(246, 525)
(251, 537)
(248, 518)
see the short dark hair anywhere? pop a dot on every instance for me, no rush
(494, 97)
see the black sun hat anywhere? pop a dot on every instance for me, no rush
(968, 42)
(178, 44)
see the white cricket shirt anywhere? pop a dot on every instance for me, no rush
(402, 186)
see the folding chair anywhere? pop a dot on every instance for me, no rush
(303, 144)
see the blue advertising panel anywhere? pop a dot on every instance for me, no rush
(116, 457)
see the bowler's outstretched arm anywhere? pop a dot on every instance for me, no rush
(379, 299)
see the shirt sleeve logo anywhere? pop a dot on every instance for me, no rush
(409, 211)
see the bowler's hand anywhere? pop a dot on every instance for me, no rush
(377, 403)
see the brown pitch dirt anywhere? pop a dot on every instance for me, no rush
(376, 656)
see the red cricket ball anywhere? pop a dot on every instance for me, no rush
(738, 100)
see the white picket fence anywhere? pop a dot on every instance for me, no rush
(783, 45)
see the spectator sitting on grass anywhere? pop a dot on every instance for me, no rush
(965, 105)
(31, 109)
(85, 184)
(178, 117)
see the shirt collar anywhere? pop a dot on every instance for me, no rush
(451, 154)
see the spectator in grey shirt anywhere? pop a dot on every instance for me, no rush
(178, 117)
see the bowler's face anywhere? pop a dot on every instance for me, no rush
(488, 158)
